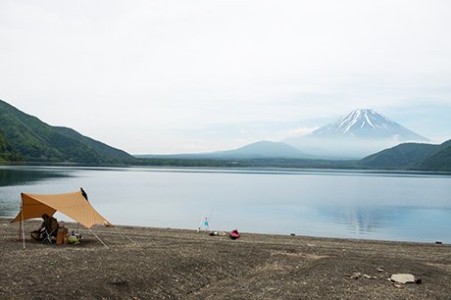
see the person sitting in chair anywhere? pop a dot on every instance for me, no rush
(47, 230)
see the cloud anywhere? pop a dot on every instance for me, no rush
(152, 76)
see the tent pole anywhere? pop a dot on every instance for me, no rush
(22, 226)
(98, 238)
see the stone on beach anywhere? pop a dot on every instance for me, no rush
(403, 278)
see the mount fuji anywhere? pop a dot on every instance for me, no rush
(358, 134)
(367, 124)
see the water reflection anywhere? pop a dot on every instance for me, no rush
(392, 223)
(11, 177)
(362, 220)
(18, 176)
(332, 204)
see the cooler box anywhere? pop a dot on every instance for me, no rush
(61, 236)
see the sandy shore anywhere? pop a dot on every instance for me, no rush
(152, 263)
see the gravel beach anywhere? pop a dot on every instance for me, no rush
(159, 263)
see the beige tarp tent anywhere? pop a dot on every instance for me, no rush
(73, 205)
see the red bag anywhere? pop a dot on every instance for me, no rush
(234, 234)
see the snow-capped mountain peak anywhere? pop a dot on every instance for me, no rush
(367, 123)
(356, 135)
(361, 118)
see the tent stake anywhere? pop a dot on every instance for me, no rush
(98, 238)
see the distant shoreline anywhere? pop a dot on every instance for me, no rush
(237, 168)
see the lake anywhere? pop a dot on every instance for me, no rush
(325, 203)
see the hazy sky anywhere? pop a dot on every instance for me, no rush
(192, 76)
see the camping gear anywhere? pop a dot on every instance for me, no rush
(50, 229)
(47, 231)
(36, 235)
(73, 239)
(49, 235)
(73, 205)
(205, 222)
(61, 236)
(234, 234)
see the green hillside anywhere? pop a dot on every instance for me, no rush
(411, 156)
(440, 160)
(403, 156)
(7, 154)
(34, 141)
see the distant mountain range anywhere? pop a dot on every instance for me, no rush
(356, 135)
(257, 150)
(26, 138)
(360, 132)
(406, 156)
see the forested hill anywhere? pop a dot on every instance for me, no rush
(412, 156)
(27, 139)
(7, 154)
(438, 160)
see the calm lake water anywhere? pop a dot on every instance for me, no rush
(351, 204)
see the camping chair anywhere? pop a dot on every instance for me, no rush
(50, 230)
